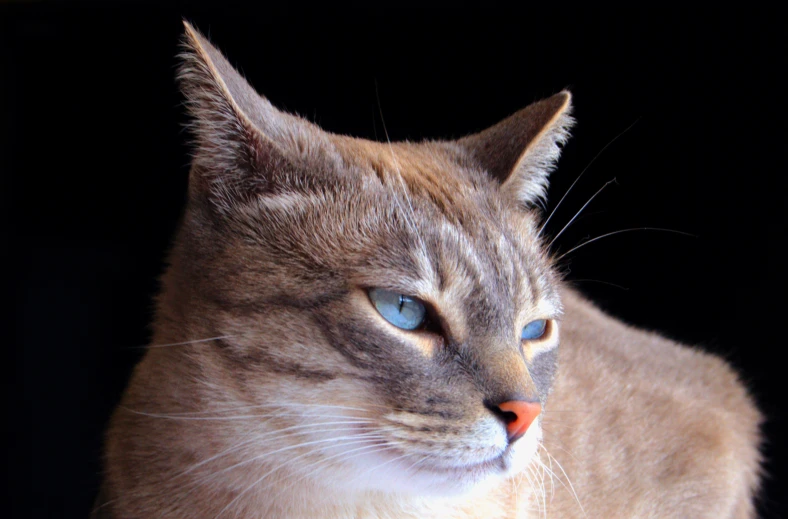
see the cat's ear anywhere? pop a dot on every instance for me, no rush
(243, 145)
(521, 151)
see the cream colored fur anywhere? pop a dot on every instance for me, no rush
(274, 389)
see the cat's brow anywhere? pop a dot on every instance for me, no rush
(486, 266)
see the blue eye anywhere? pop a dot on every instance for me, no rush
(400, 310)
(534, 330)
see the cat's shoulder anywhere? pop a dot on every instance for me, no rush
(658, 364)
(656, 409)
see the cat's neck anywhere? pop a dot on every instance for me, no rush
(323, 502)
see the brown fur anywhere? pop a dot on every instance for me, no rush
(273, 388)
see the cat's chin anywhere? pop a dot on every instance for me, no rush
(444, 481)
(437, 481)
(449, 479)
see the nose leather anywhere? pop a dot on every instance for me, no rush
(524, 415)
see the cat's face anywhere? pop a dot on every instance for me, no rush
(289, 231)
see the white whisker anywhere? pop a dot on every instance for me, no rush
(171, 416)
(184, 343)
(558, 446)
(359, 451)
(256, 406)
(418, 462)
(362, 437)
(598, 281)
(619, 232)
(578, 213)
(408, 218)
(614, 139)
(568, 481)
(256, 439)
(542, 489)
(277, 468)
(377, 467)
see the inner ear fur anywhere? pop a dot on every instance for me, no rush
(521, 151)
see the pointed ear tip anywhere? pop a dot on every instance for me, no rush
(191, 36)
(188, 28)
(566, 97)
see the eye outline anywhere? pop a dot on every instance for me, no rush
(546, 331)
(427, 321)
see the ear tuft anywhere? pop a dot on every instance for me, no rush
(522, 150)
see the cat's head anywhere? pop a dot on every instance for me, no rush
(380, 306)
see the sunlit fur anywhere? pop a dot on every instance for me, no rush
(273, 388)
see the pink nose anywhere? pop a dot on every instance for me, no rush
(524, 415)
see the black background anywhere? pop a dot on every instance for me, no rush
(94, 164)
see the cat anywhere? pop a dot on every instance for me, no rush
(353, 329)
